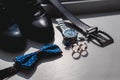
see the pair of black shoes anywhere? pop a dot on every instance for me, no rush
(21, 20)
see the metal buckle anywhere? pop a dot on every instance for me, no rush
(91, 30)
(99, 37)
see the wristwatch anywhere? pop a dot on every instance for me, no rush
(69, 34)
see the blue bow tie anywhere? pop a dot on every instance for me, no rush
(28, 60)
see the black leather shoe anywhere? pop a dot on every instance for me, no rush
(35, 23)
(12, 40)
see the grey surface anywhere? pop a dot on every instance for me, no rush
(100, 64)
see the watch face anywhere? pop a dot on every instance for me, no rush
(70, 33)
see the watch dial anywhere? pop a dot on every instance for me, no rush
(70, 33)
